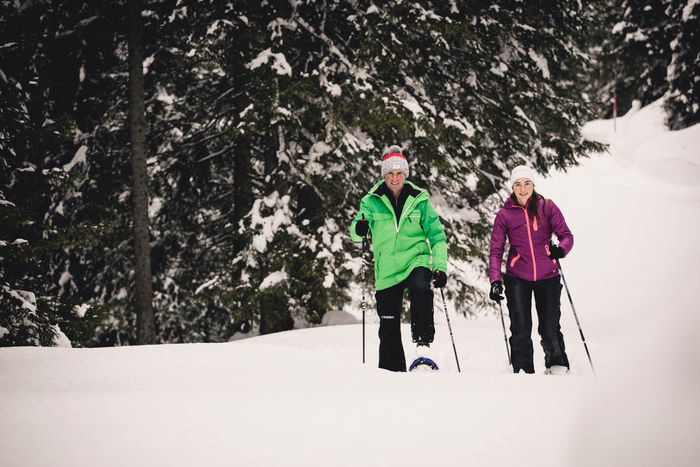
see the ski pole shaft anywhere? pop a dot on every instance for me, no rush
(364, 306)
(573, 308)
(505, 336)
(449, 326)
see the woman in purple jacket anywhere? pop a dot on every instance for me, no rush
(528, 220)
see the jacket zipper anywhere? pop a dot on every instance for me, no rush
(397, 222)
(405, 211)
(529, 239)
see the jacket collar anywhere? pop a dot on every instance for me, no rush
(409, 189)
(512, 204)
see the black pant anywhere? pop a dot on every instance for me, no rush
(389, 304)
(547, 295)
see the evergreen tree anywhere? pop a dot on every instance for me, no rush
(648, 50)
(683, 103)
(39, 304)
(641, 51)
(293, 105)
(139, 198)
(266, 124)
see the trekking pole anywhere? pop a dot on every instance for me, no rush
(505, 336)
(449, 326)
(364, 306)
(575, 315)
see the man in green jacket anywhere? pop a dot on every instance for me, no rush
(406, 235)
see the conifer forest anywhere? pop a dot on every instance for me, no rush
(186, 171)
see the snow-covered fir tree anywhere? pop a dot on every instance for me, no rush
(285, 112)
(683, 103)
(267, 123)
(648, 50)
(40, 302)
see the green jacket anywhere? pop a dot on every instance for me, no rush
(404, 244)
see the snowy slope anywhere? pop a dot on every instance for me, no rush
(305, 398)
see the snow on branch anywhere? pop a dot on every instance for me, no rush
(273, 279)
(279, 62)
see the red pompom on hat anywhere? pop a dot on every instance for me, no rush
(393, 160)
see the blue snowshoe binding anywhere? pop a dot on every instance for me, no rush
(423, 363)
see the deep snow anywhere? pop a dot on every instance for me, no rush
(304, 397)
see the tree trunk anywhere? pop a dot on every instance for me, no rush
(242, 186)
(142, 253)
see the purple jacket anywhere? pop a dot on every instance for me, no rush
(527, 240)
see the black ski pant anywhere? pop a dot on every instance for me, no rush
(547, 294)
(389, 305)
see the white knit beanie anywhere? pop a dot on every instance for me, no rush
(394, 160)
(522, 171)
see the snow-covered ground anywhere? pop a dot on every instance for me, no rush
(305, 398)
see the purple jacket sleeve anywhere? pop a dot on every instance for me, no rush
(498, 243)
(559, 227)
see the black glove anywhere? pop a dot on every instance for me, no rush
(496, 291)
(556, 252)
(439, 279)
(362, 227)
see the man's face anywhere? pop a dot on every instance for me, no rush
(395, 180)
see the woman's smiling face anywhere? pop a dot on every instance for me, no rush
(523, 188)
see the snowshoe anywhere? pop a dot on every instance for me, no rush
(423, 364)
(423, 359)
